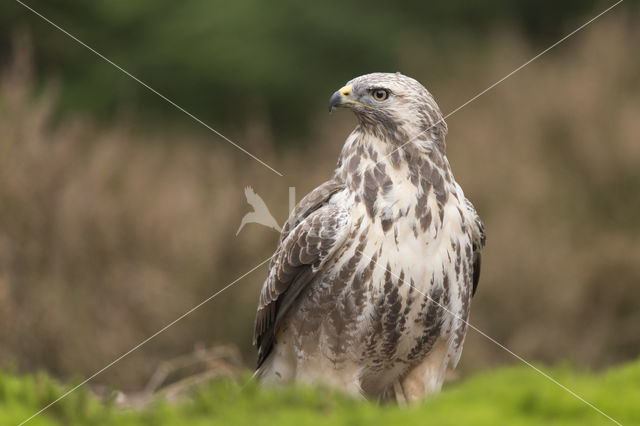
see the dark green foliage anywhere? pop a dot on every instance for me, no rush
(226, 61)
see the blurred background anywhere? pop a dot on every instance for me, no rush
(118, 212)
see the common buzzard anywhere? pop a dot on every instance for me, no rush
(370, 286)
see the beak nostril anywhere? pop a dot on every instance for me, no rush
(346, 91)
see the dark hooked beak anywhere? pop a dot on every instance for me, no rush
(336, 100)
(340, 98)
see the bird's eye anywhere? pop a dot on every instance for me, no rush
(380, 94)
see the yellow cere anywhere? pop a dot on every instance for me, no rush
(346, 93)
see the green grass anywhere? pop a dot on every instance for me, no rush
(513, 396)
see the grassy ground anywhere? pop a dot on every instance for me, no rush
(513, 395)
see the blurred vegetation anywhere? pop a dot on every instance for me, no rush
(109, 231)
(226, 62)
(513, 396)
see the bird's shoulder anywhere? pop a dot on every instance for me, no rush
(311, 202)
(478, 240)
(478, 232)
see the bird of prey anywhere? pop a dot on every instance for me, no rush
(370, 286)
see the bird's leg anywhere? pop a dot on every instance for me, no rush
(426, 378)
(401, 399)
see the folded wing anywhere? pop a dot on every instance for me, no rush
(310, 237)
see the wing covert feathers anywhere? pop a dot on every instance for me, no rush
(311, 235)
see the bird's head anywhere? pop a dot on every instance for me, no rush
(392, 106)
